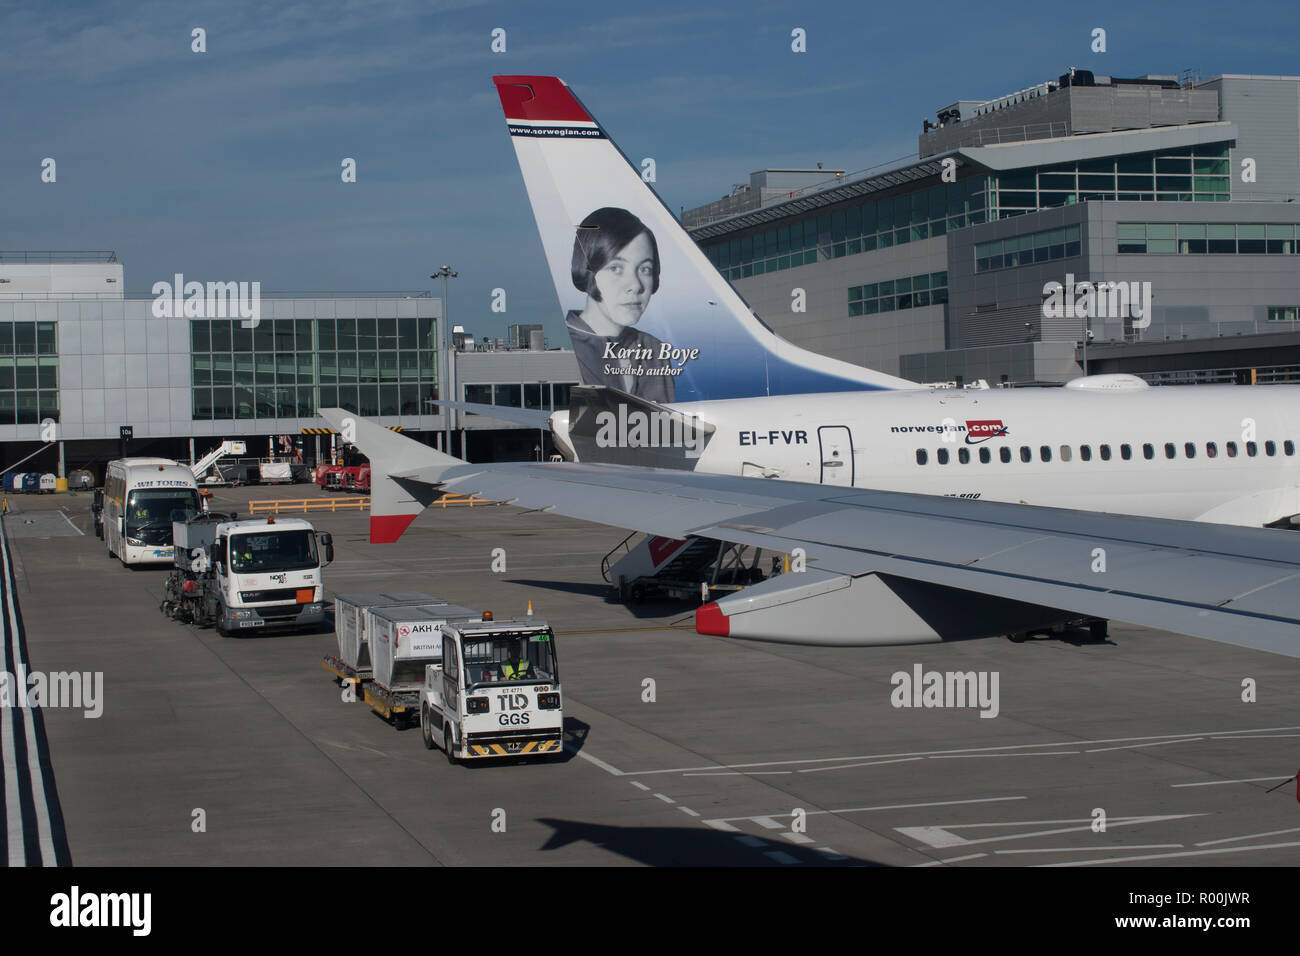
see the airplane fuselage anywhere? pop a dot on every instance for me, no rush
(1225, 454)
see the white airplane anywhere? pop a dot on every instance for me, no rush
(690, 407)
(684, 375)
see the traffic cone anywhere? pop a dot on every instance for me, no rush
(530, 609)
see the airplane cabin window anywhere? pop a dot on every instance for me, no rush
(1231, 448)
(1251, 449)
(1005, 454)
(921, 456)
(984, 456)
(1189, 449)
(963, 455)
(1105, 453)
(1044, 452)
(1170, 450)
(1026, 454)
(1270, 448)
(1148, 451)
(1288, 447)
(1065, 453)
(1126, 452)
(1085, 452)
(942, 456)
(1211, 449)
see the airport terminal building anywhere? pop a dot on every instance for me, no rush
(936, 270)
(75, 352)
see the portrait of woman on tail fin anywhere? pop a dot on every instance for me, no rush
(616, 263)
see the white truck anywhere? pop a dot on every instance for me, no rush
(259, 573)
(496, 691)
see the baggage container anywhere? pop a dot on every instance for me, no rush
(350, 625)
(403, 640)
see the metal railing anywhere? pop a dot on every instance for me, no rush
(305, 505)
(44, 256)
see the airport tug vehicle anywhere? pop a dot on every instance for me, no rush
(242, 575)
(495, 692)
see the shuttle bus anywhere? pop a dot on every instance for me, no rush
(142, 497)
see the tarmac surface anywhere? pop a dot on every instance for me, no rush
(680, 749)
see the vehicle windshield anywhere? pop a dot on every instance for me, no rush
(273, 551)
(154, 510)
(510, 658)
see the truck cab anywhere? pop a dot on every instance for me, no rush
(496, 692)
(267, 574)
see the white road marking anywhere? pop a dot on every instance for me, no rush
(665, 799)
(940, 837)
(801, 838)
(750, 841)
(1255, 736)
(69, 521)
(688, 811)
(1094, 849)
(1045, 753)
(781, 857)
(737, 773)
(1249, 836)
(829, 853)
(951, 859)
(607, 767)
(893, 806)
(13, 812)
(1166, 856)
(639, 785)
(1158, 743)
(1218, 783)
(44, 830)
(722, 825)
(931, 753)
(852, 766)
(767, 823)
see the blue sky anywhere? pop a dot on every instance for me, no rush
(225, 165)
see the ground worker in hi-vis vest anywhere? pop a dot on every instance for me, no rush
(514, 668)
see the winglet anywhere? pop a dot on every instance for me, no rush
(394, 501)
(709, 619)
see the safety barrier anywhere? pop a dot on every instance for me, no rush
(332, 504)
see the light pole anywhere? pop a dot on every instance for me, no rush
(447, 387)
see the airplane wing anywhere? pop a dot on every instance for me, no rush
(886, 567)
(528, 417)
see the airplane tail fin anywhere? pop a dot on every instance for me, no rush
(403, 472)
(646, 310)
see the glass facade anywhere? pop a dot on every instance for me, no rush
(289, 368)
(1027, 249)
(863, 227)
(29, 372)
(543, 395)
(911, 292)
(1213, 238)
(1188, 174)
